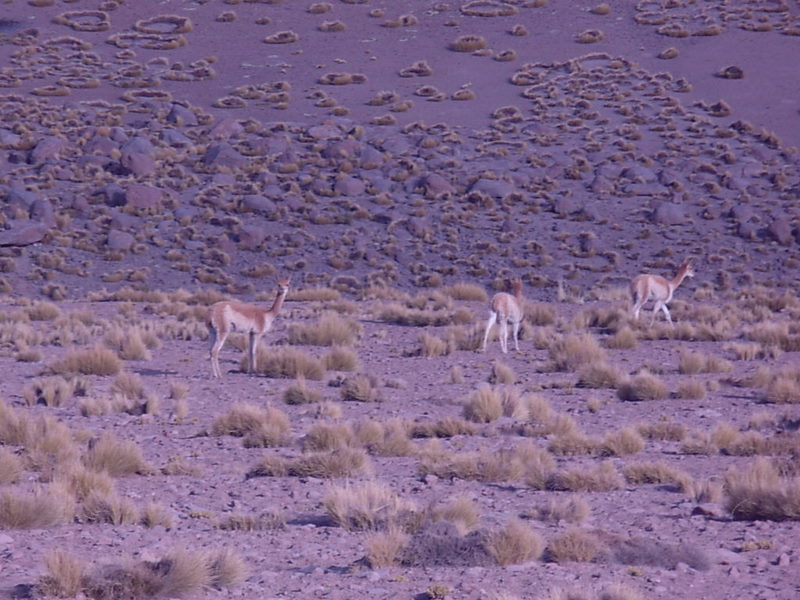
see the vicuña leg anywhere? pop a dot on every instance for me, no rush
(489, 324)
(251, 352)
(516, 335)
(504, 336)
(217, 342)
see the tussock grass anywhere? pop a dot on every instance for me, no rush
(10, 467)
(461, 511)
(514, 543)
(573, 442)
(623, 442)
(783, 389)
(107, 507)
(114, 456)
(155, 514)
(128, 385)
(644, 386)
(599, 478)
(446, 427)
(575, 545)
(384, 548)
(388, 438)
(44, 507)
(95, 361)
(131, 343)
(65, 574)
(360, 388)
(341, 358)
(502, 374)
(43, 311)
(431, 346)
(80, 481)
(571, 352)
(267, 520)
(370, 505)
(331, 329)
(416, 317)
(322, 437)
(344, 462)
(691, 390)
(315, 294)
(624, 339)
(539, 314)
(664, 429)
(653, 472)
(691, 363)
(760, 493)
(260, 427)
(525, 462)
(600, 374)
(50, 391)
(286, 362)
(484, 405)
(572, 509)
(300, 393)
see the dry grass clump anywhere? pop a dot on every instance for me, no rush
(468, 43)
(322, 437)
(600, 374)
(524, 462)
(366, 506)
(179, 573)
(154, 514)
(50, 391)
(571, 352)
(389, 438)
(539, 314)
(300, 393)
(95, 361)
(331, 329)
(419, 317)
(502, 373)
(484, 405)
(468, 292)
(514, 543)
(10, 467)
(128, 385)
(461, 511)
(446, 427)
(644, 386)
(114, 456)
(572, 509)
(384, 548)
(343, 462)
(341, 358)
(315, 294)
(664, 429)
(360, 388)
(267, 520)
(260, 427)
(624, 442)
(573, 442)
(575, 545)
(760, 493)
(40, 509)
(431, 345)
(286, 362)
(691, 390)
(600, 478)
(652, 472)
(107, 507)
(131, 343)
(625, 338)
(691, 363)
(43, 311)
(783, 389)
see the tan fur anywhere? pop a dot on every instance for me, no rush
(659, 289)
(232, 315)
(505, 308)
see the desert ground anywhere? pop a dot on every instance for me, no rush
(370, 174)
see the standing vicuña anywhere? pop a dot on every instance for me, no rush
(505, 307)
(231, 315)
(659, 289)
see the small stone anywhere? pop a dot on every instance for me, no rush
(23, 234)
(143, 197)
(49, 147)
(783, 560)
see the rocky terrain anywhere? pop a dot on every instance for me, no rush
(400, 162)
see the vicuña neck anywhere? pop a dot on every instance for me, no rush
(276, 305)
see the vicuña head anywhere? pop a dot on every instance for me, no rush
(659, 289)
(232, 315)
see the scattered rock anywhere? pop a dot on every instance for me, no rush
(23, 233)
(143, 197)
(49, 147)
(120, 240)
(668, 213)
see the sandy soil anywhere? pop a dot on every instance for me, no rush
(157, 157)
